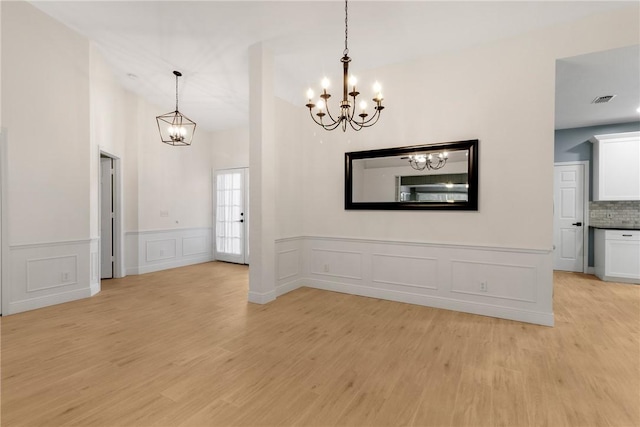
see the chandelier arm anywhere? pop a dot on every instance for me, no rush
(372, 121)
(332, 126)
(355, 125)
(328, 126)
(326, 106)
(314, 119)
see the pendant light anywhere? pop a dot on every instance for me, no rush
(175, 128)
(347, 110)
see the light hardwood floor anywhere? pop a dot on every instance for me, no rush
(183, 347)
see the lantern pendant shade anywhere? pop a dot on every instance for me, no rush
(175, 128)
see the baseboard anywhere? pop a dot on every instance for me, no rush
(545, 319)
(94, 289)
(261, 298)
(47, 300)
(288, 287)
(591, 270)
(143, 269)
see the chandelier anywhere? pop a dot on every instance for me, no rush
(175, 128)
(421, 162)
(347, 112)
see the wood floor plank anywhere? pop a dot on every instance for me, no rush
(183, 347)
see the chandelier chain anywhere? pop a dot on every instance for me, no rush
(176, 93)
(346, 28)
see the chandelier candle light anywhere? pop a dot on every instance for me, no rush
(347, 106)
(175, 128)
(421, 162)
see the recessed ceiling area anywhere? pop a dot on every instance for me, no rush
(208, 41)
(581, 80)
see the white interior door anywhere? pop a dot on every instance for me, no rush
(106, 218)
(568, 217)
(232, 215)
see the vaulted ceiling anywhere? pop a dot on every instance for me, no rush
(208, 41)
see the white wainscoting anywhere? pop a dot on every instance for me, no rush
(94, 267)
(156, 250)
(289, 264)
(508, 283)
(44, 274)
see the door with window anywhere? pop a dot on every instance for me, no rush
(232, 215)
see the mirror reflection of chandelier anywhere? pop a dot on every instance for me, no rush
(435, 161)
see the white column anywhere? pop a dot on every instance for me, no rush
(262, 219)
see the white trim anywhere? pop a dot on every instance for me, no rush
(422, 244)
(587, 215)
(473, 307)
(288, 287)
(167, 230)
(48, 244)
(47, 300)
(150, 268)
(118, 211)
(4, 224)
(262, 298)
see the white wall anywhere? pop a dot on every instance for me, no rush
(45, 105)
(500, 93)
(230, 149)
(45, 97)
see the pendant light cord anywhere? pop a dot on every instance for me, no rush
(346, 28)
(176, 93)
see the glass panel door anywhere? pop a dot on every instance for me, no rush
(231, 218)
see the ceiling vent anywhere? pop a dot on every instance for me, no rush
(603, 99)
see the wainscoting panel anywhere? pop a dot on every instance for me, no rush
(510, 283)
(159, 250)
(44, 274)
(413, 272)
(51, 272)
(336, 263)
(155, 250)
(197, 245)
(494, 280)
(289, 265)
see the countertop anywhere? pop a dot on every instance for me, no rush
(622, 227)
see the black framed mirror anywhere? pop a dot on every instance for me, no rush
(434, 176)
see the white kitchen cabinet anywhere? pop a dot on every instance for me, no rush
(617, 255)
(616, 166)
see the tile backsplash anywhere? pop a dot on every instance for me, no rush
(615, 214)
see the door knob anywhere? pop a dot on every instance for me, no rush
(579, 224)
(242, 220)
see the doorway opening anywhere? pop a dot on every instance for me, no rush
(110, 214)
(231, 188)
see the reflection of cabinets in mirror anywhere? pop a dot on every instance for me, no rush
(443, 188)
(616, 166)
